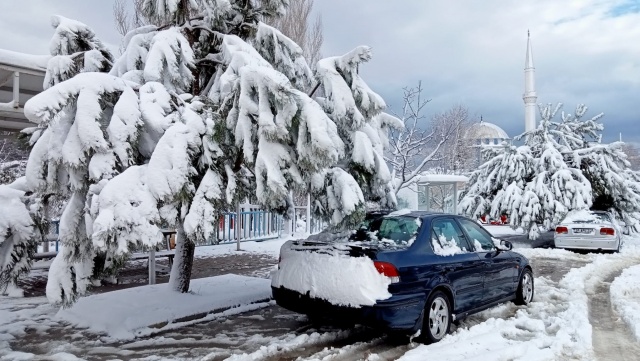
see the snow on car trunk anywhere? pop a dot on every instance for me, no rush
(328, 273)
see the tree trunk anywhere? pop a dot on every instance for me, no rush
(182, 263)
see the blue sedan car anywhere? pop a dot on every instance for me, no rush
(440, 268)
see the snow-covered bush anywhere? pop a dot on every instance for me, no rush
(194, 117)
(562, 166)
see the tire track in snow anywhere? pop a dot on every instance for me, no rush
(378, 349)
(612, 339)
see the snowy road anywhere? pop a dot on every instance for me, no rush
(272, 333)
(612, 339)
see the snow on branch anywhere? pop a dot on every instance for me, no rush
(170, 61)
(284, 54)
(348, 99)
(126, 214)
(17, 235)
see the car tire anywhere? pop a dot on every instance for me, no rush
(436, 318)
(524, 294)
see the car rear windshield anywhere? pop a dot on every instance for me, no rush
(587, 217)
(396, 230)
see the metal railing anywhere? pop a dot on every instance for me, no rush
(254, 225)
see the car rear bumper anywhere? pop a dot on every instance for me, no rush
(398, 313)
(604, 243)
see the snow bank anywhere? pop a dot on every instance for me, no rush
(129, 313)
(625, 297)
(269, 247)
(332, 276)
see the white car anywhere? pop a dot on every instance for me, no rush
(595, 230)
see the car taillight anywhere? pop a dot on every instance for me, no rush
(607, 231)
(561, 230)
(388, 270)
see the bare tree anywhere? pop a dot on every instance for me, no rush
(419, 144)
(456, 154)
(126, 21)
(296, 24)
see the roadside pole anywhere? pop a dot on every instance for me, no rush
(237, 226)
(152, 265)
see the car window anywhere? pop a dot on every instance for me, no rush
(388, 230)
(398, 229)
(479, 238)
(446, 237)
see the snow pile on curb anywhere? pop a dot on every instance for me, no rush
(269, 247)
(338, 278)
(625, 297)
(128, 313)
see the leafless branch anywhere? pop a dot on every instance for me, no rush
(296, 24)
(125, 21)
(420, 144)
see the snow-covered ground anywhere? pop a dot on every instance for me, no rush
(131, 313)
(563, 323)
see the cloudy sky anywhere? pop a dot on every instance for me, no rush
(465, 52)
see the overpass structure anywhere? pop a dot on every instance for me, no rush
(21, 77)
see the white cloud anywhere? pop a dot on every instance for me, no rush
(464, 51)
(473, 52)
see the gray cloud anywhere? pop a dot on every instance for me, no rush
(464, 51)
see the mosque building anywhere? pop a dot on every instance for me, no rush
(485, 134)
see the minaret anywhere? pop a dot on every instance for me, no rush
(530, 97)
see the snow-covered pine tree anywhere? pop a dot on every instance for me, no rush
(216, 114)
(501, 178)
(563, 166)
(87, 123)
(17, 237)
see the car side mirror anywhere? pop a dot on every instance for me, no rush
(505, 245)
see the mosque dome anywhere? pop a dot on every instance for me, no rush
(487, 133)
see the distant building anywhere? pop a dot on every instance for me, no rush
(21, 77)
(485, 134)
(530, 96)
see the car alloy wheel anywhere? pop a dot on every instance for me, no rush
(437, 317)
(525, 291)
